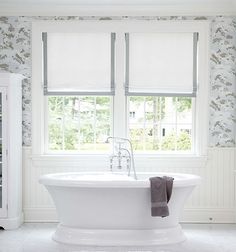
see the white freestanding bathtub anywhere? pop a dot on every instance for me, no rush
(115, 210)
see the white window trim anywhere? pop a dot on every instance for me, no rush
(120, 117)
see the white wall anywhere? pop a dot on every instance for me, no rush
(212, 201)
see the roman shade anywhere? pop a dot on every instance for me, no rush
(78, 63)
(161, 64)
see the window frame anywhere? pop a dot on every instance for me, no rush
(120, 115)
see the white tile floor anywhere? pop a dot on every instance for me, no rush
(36, 237)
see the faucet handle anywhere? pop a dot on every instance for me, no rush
(111, 161)
(128, 163)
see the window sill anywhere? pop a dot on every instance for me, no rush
(173, 161)
(97, 162)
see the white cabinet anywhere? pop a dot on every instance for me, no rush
(10, 150)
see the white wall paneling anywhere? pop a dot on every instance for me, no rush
(212, 201)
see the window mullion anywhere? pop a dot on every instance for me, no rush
(63, 124)
(160, 99)
(94, 122)
(120, 113)
(79, 123)
(46, 125)
(193, 130)
(144, 124)
(176, 123)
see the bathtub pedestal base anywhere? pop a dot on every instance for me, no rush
(104, 237)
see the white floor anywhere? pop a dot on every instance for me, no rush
(36, 237)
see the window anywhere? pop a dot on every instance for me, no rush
(142, 80)
(162, 68)
(82, 64)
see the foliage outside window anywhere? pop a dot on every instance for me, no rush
(78, 123)
(82, 123)
(160, 123)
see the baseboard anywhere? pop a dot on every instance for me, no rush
(209, 215)
(201, 215)
(12, 223)
(40, 214)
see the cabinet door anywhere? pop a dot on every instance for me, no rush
(3, 153)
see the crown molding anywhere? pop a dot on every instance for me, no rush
(228, 9)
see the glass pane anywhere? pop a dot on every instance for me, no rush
(152, 138)
(169, 111)
(184, 110)
(55, 122)
(168, 142)
(184, 141)
(55, 106)
(79, 61)
(87, 109)
(101, 135)
(87, 137)
(102, 109)
(161, 62)
(55, 134)
(71, 121)
(137, 136)
(71, 137)
(136, 109)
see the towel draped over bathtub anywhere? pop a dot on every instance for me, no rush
(161, 190)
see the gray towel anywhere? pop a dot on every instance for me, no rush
(161, 189)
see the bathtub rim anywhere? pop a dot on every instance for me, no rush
(52, 179)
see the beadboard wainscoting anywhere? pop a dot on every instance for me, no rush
(211, 202)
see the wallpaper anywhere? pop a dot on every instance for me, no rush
(15, 57)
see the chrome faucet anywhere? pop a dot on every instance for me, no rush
(129, 157)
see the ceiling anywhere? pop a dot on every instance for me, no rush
(117, 7)
(116, 2)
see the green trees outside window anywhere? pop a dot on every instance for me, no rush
(82, 123)
(78, 122)
(160, 123)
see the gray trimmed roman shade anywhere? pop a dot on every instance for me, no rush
(78, 63)
(161, 64)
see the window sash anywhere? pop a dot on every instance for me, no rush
(175, 123)
(63, 150)
(74, 93)
(166, 94)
